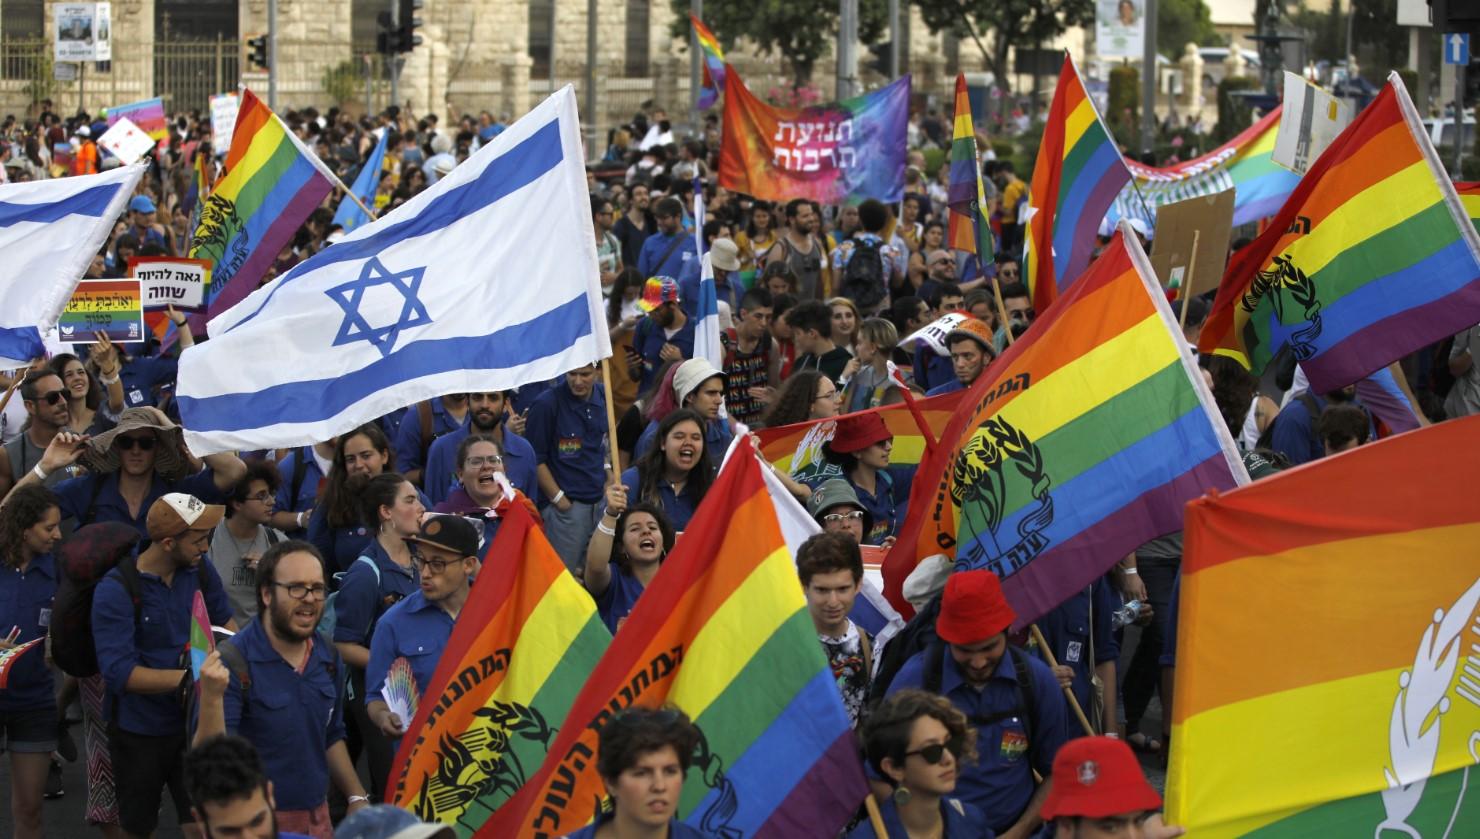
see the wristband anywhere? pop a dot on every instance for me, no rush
(108, 380)
(609, 531)
(40, 473)
(353, 798)
(1129, 572)
(298, 519)
(558, 496)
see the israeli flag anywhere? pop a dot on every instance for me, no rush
(486, 281)
(49, 232)
(706, 332)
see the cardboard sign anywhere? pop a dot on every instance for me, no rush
(223, 120)
(126, 141)
(112, 307)
(1211, 217)
(934, 333)
(171, 281)
(1310, 122)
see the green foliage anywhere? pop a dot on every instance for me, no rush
(1008, 22)
(1125, 101)
(43, 84)
(1325, 32)
(1234, 114)
(1183, 22)
(933, 159)
(342, 80)
(799, 31)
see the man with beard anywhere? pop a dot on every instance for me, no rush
(666, 334)
(486, 413)
(47, 410)
(670, 249)
(635, 225)
(445, 553)
(278, 684)
(231, 796)
(140, 623)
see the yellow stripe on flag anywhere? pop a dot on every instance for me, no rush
(1082, 117)
(550, 630)
(1393, 200)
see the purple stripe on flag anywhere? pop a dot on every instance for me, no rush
(266, 250)
(834, 785)
(1391, 338)
(1050, 579)
(1087, 226)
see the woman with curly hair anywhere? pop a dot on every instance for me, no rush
(806, 395)
(624, 553)
(30, 526)
(917, 742)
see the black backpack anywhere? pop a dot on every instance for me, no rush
(863, 275)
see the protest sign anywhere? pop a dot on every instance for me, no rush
(111, 307)
(1311, 121)
(223, 120)
(171, 281)
(1207, 222)
(1120, 28)
(934, 333)
(126, 141)
(83, 32)
(148, 115)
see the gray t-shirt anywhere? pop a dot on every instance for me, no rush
(240, 581)
(1464, 397)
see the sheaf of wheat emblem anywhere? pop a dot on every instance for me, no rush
(998, 464)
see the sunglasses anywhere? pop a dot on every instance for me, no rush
(853, 516)
(936, 752)
(143, 444)
(51, 398)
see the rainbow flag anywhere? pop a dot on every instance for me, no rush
(1371, 258)
(272, 183)
(714, 64)
(1353, 706)
(1243, 164)
(797, 448)
(148, 115)
(1469, 196)
(970, 229)
(723, 633)
(202, 640)
(1082, 441)
(522, 645)
(1075, 180)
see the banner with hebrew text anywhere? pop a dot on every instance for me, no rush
(842, 151)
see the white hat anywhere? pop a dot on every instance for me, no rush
(725, 255)
(691, 374)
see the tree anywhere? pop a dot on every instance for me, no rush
(800, 31)
(1183, 22)
(1009, 23)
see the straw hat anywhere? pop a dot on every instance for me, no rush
(170, 462)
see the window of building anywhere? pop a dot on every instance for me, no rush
(23, 20)
(638, 61)
(541, 37)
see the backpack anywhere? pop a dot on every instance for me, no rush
(1026, 709)
(330, 619)
(863, 275)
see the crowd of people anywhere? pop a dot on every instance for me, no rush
(331, 560)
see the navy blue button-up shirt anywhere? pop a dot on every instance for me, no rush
(25, 604)
(407, 443)
(439, 478)
(415, 629)
(74, 495)
(568, 435)
(365, 593)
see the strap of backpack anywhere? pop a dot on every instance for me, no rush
(1025, 696)
(96, 490)
(128, 575)
(300, 471)
(232, 657)
(424, 421)
(935, 663)
(866, 649)
(1311, 407)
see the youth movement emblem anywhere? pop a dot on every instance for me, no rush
(993, 474)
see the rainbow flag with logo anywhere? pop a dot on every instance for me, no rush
(797, 449)
(722, 632)
(1372, 257)
(1078, 173)
(1243, 164)
(1353, 708)
(1080, 442)
(969, 228)
(714, 64)
(521, 648)
(272, 183)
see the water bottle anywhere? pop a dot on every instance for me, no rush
(1126, 614)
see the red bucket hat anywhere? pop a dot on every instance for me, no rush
(859, 431)
(973, 608)
(1097, 777)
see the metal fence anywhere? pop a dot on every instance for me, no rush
(185, 73)
(188, 73)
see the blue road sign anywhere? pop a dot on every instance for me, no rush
(1457, 48)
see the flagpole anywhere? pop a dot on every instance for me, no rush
(1002, 310)
(1089, 730)
(875, 817)
(611, 418)
(913, 406)
(14, 383)
(1187, 280)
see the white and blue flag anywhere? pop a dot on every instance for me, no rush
(486, 281)
(349, 215)
(706, 332)
(49, 232)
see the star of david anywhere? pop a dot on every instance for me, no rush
(350, 295)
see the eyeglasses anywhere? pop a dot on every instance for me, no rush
(436, 566)
(51, 398)
(143, 444)
(832, 394)
(935, 752)
(837, 517)
(480, 462)
(261, 498)
(301, 591)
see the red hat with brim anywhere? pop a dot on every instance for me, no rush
(973, 608)
(859, 431)
(1097, 777)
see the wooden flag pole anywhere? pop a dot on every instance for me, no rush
(1089, 730)
(1002, 310)
(1186, 289)
(14, 383)
(611, 419)
(875, 817)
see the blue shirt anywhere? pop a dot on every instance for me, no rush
(1067, 629)
(415, 629)
(887, 508)
(688, 289)
(362, 599)
(615, 604)
(717, 437)
(1294, 433)
(1001, 780)
(74, 494)
(658, 244)
(341, 545)
(676, 829)
(967, 822)
(25, 602)
(308, 491)
(648, 341)
(949, 387)
(568, 435)
(140, 377)
(678, 508)
(292, 718)
(439, 477)
(157, 641)
(932, 370)
(410, 454)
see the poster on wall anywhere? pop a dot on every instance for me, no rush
(84, 32)
(1120, 28)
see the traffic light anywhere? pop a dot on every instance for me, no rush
(385, 34)
(398, 28)
(879, 58)
(257, 53)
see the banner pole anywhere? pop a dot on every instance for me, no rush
(1089, 730)
(611, 418)
(1187, 280)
